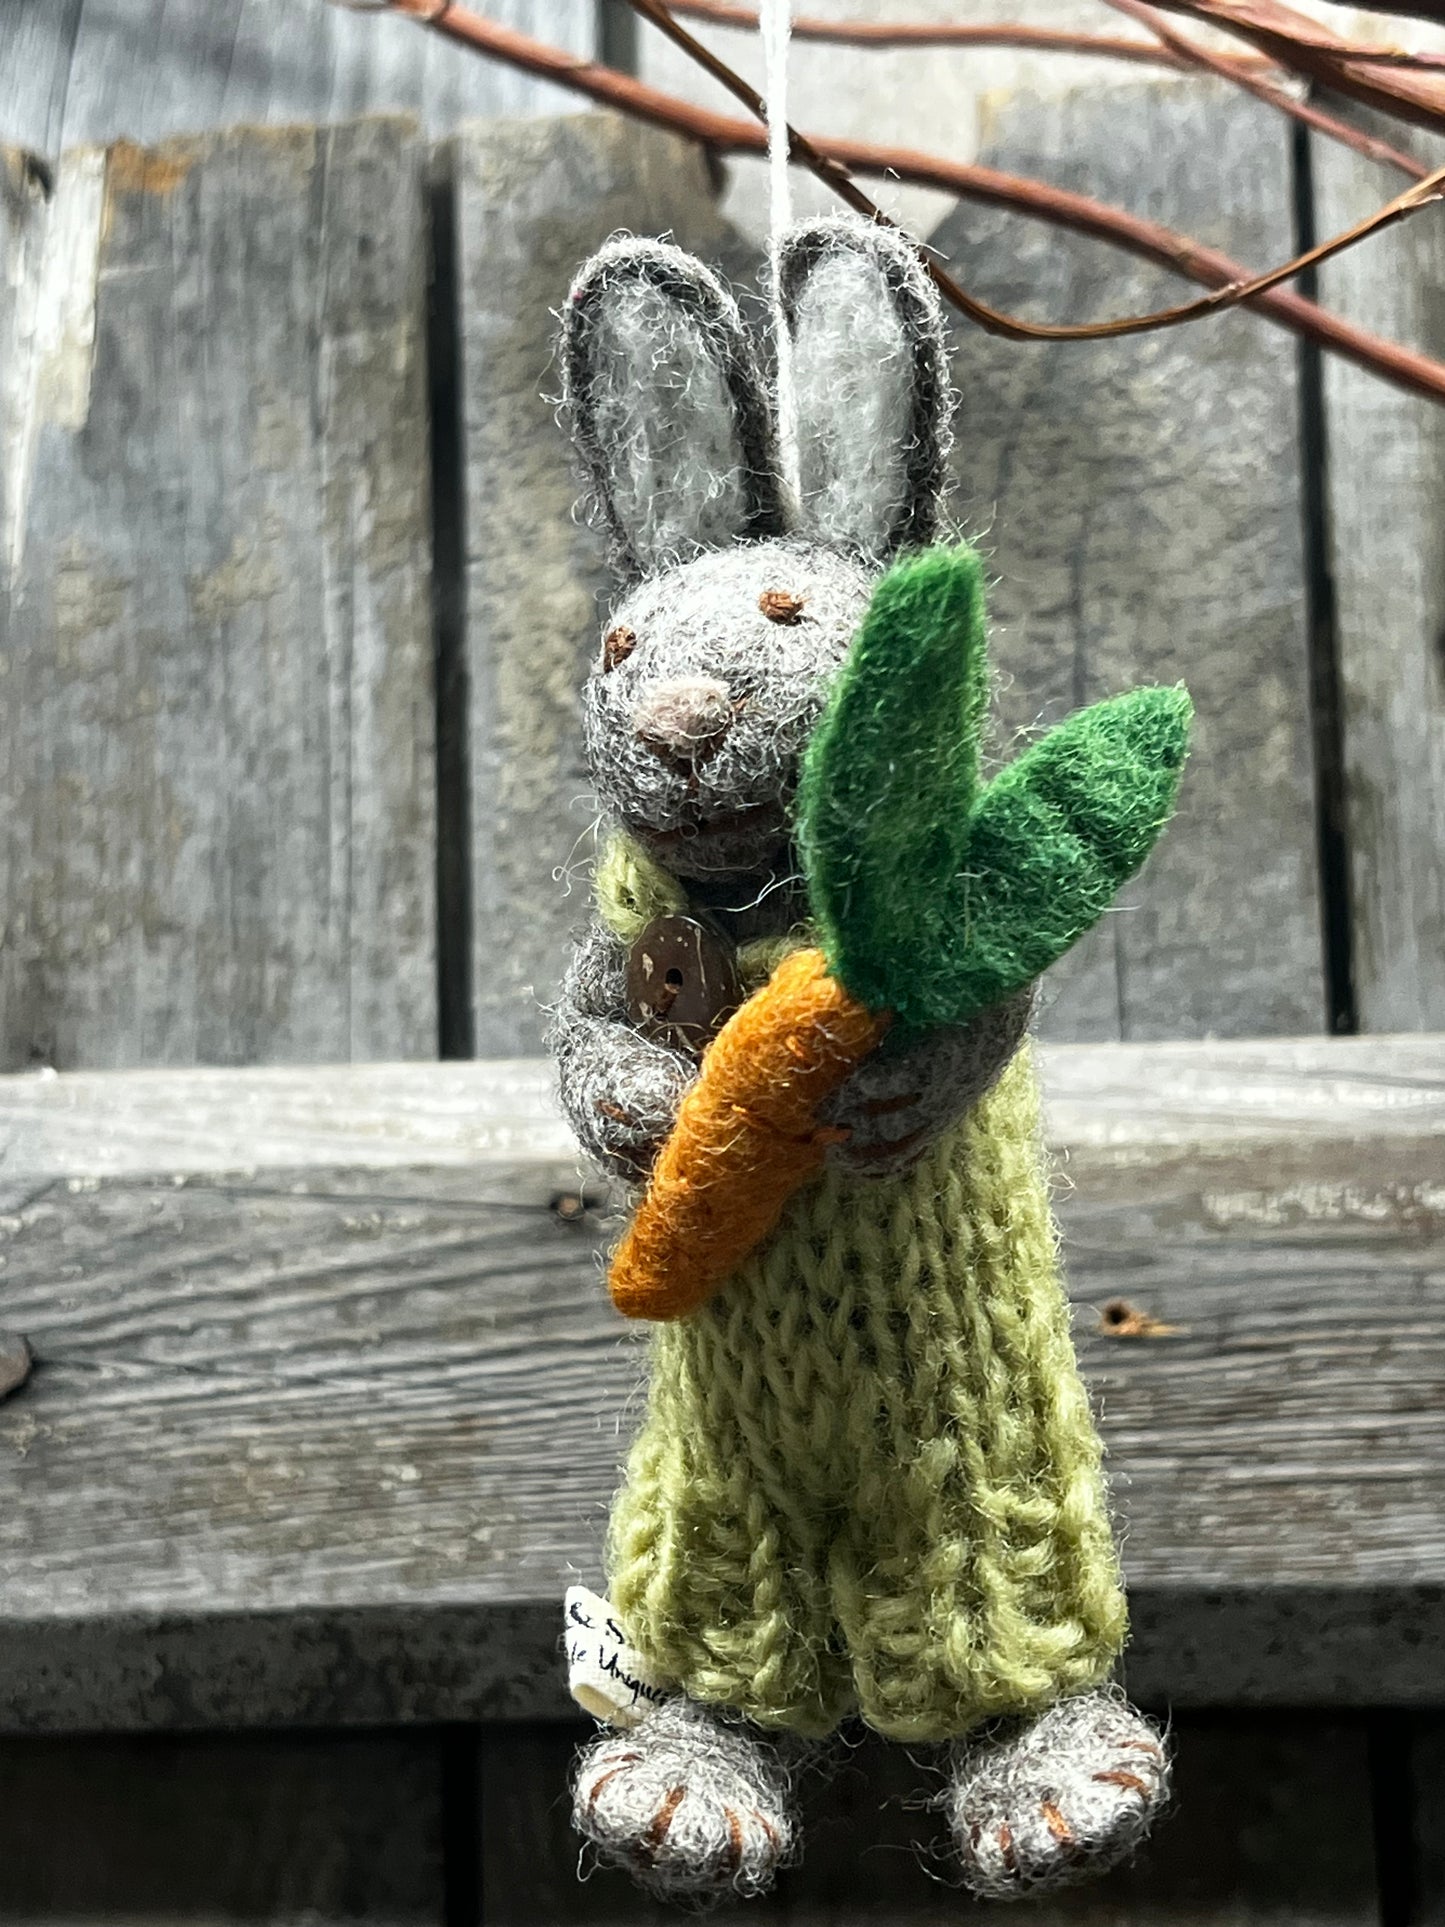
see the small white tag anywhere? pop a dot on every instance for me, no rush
(606, 1675)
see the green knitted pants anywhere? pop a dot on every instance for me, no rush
(868, 1480)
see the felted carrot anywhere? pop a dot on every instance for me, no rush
(746, 1137)
(934, 896)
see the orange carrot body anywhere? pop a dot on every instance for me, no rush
(746, 1137)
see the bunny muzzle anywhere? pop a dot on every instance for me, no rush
(708, 684)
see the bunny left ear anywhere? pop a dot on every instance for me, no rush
(870, 371)
(667, 406)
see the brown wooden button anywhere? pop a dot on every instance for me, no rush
(682, 982)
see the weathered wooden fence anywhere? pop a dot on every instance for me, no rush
(293, 608)
(236, 554)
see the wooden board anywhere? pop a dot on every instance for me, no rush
(531, 204)
(75, 71)
(260, 1830)
(1271, 1822)
(1415, 1763)
(1385, 482)
(1139, 502)
(320, 1434)
(216, 767)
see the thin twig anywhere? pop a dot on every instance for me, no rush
(1305, 46)
(927, 33)
(1416, 9)
(1013, 327)
(1009, 33)
(1403, 367)
(1329, 124)
(1366, 55)
(1184, 54)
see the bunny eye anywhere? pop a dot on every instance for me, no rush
(617, 645)
(781, 605)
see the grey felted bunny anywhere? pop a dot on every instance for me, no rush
(737, 609)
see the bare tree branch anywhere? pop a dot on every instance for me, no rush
(1416, 9)
(1008, 33)
(1427, 189)
(1328, 124)
(1303, 45)
(927, 33)
(1391, 361)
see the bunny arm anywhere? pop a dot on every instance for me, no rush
(619, 1089)
(900, 1101)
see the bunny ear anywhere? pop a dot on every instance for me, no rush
(667, 409)
(870, 371)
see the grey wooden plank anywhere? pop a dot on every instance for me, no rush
(531, 1864)
(364, 1118)
(39, 36)
(531, 203)
(1415, 1766)
(84, 71)
(1385, 481)
(1140, 502)
(1131, 1103)
(268, 1831)
(326, 1409)
(216, 753)
(1271, 1822)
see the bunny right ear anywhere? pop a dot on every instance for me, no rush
(666, 406)
(870, 369)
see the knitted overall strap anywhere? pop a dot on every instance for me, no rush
(633, 890)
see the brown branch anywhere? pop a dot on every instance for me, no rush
(993, 320)
(1404, 367)
(1007, 33)
(927, 33)
(1303, 45)
(1391, 361)
(1328, 124)
(1415, 9)
(1367, 55)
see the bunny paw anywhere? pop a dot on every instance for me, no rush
(692, 1807)
(1063, 1797)
(896, 1104)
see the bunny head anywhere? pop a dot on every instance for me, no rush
(737, 607)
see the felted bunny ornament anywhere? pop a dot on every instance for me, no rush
(867, 1483)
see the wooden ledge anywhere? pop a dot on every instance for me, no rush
(328, 1400)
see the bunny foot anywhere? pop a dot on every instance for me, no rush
(1065, 1796)
(691, 1806)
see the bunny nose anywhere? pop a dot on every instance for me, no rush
(684, 720)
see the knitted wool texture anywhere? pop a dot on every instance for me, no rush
(631, 889)
(935, 899)
(868, 1478)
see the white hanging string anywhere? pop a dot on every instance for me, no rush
(775, 25)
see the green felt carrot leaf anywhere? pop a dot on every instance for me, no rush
(1051, 841)
(893, 769)
(935, 898)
